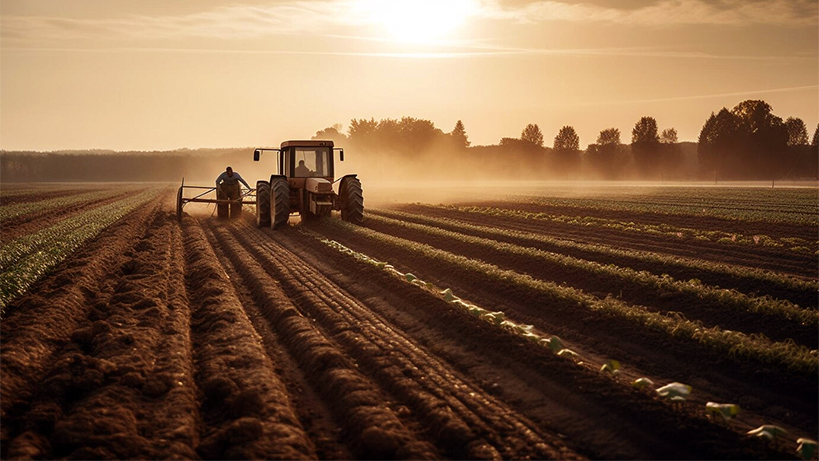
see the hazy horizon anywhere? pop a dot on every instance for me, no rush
(154, 75)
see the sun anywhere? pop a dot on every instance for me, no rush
(420, 21)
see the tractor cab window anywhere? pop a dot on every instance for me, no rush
(311, 161)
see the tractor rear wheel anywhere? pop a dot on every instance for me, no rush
(352, 201)
(262, 204)
(279, 202)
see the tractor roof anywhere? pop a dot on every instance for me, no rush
(313, 143)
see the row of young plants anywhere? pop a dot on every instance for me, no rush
(743, 204)
(25, 259)
(10, 212)
(682, 233)
(752, 275)
(716, 296)
(674, 392)
(733, 344)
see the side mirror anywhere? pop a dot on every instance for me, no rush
(256, 154)
(341, 154)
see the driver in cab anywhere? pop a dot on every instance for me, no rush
(302, 171)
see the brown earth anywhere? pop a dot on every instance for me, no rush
(213, 339)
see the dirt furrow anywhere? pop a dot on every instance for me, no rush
(244, 407)
(313, 412)
(780, 260)
(109, 391)
(755, 388)
(595, 416)
(373, 428)
(42, 321)
(694, 307)
(462, 415)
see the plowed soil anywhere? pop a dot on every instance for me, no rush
(214, 339)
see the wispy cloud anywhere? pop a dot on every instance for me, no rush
(666, 12)
(323, 16)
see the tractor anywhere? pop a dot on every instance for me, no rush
(304, 185)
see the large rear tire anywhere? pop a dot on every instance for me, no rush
(279, 202)
(352, 201)
(262, 204)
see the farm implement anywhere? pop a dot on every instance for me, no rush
(225, 207)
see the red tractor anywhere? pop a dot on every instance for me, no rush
(304, 184)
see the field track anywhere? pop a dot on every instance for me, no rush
(214, 339)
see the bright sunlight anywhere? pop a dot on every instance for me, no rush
(420, 21)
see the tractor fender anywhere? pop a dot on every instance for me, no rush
(277, 176)
(340, 180)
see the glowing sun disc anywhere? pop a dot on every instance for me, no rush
(420, 21)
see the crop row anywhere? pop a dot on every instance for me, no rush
(19, 209)
(624, 276)
(668, 262)
(742, 204)
(681, 233)
(798, 359)
(25, 259)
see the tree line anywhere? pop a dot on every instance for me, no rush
(747, 142)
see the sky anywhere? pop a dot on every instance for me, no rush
(161, 75)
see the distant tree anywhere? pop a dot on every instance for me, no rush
(607, 158)
(815, 141)
(332, 133)
(645, 146)
(567, 140)
(764, 140)
(669, 136)
(567, 150)
(797, 132)
(671, 160)
(459, 136)
(532, 134)
(718, 143)
(363, 132)
(608, 137)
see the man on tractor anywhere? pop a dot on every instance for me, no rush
(227, 187)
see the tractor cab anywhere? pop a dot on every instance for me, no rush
(305, 170)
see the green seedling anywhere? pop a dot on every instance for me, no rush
(556, 345)
(767, 431)
(612, 366)
(568, 353)
(676, 392)
(532, 337)
(806, 449)
(725, 410)
(409, 277)
(448, 296)
(642, 383)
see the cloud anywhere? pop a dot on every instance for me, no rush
(665, 12)
(323, 17)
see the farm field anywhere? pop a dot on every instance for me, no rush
(505, 324)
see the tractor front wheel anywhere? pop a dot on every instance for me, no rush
(262, 204)
(279, 202)
(352, 200)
